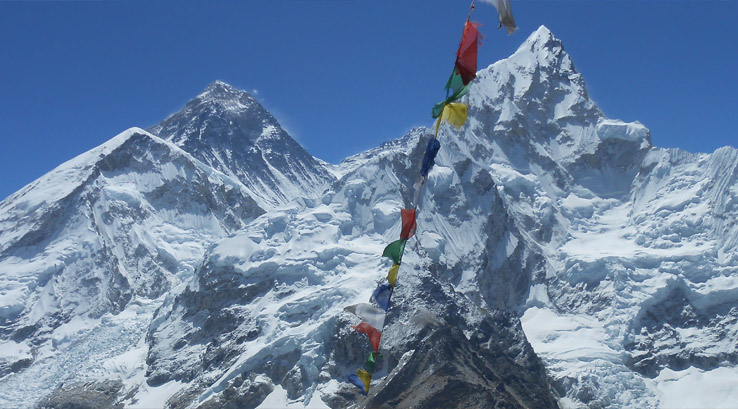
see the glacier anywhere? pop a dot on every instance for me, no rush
(561, 260)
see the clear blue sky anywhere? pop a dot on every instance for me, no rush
(342, 76)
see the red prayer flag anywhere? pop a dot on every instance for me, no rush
(408, 223)
(466, 57)
(371, 332)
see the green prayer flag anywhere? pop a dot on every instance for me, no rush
(456, 85)
(438, 108)
(369, 363)
(394, 250)
(459, 94)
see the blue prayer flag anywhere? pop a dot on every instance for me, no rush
(353, 378)
(382, 296)
(430, 156)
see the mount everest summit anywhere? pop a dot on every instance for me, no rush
(560, 260)
(231, 132)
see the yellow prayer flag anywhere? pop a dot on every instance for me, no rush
(392, 276)
(454, 113)
(366, 378)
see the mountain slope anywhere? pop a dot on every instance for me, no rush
(230, 131)
(126, 220)
(638, 242)
(264, 315)
(540, 205)
(115, 230)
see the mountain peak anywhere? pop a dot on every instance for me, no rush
(541, 39)
(222, 89)
(220, 84)
(221, 93)
(543, 48)
(219, 105)
(230, 131)
(542, 33)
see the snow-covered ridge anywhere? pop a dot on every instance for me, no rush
(123, 222)
(57, 183)
(403, 145)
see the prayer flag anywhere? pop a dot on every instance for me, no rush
(392, 275)
(456, 85)
(408, 223)
(353, 378)
(394, 250)
(366, 379)
(505, 15)
(438, 108)
(369, 314)
(369, 363)
(382, 296)
(430, 156)
(455, 114)
(466, 56)
(371, 332)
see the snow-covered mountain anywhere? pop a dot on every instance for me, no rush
(119, 227)
(230, 131)
(263, 318)
(636, 299)
(559, 257)
(126, 220)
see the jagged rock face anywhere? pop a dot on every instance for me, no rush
(437, 341)
(461, 357)
(88, 395)
(230, 131)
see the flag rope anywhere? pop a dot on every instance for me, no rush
(373, 318)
